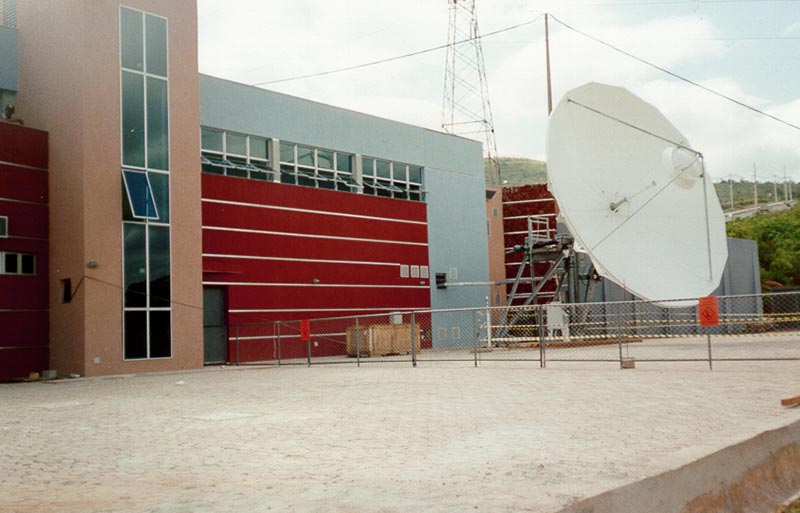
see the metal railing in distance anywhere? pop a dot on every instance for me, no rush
(749, 327)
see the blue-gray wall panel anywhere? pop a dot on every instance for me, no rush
(453, 165)
(9, 64)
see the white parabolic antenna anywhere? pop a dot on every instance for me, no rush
(635, 195)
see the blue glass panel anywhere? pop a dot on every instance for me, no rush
(159, 184)
(135, 268)
(140, 195)
(157, 124)
(156, 30)
(132, 119)
(131, 39)
(158, 246)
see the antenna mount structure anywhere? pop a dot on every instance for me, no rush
(466, 109)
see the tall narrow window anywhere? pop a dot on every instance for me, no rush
(147, 286)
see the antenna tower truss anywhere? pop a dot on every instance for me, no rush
(466, 110)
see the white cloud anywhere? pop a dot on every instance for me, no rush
(253, 41)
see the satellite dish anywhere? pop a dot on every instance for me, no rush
(635, 196)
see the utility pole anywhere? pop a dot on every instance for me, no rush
(785, 183)
(730, 188)
(755, 185)
(547, 59)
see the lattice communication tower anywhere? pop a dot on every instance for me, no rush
(466, 109)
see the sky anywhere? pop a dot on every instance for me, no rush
(746, 49)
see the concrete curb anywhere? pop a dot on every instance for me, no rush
(752, 476)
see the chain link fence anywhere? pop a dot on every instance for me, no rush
(737, 328)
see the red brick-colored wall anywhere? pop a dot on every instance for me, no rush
(24, 299)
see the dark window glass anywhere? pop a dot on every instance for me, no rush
(28, 264)
(325, 159)
(211, 139)
(159, 266)
(160, 346)
(157, 124)
(414, 193)
(368, 167)
(211, 164)
(159, 184)
(415, 174)
(305, 155)
(382, 169)
(135, 265)
(139, 194)
(131, 39)
(287, 152)
(260, 175)
(127, 213)
(399, 171)
(258, 148)
(156, 37)
(261, 165)
(236, 144)
(369, 187)
(344, 162)
(3, 226)
(305, 177)
(383, 192)
(238, 168)
(287, 175)
(132, 119)
(12, 266)
(135, 335)
(326, 180)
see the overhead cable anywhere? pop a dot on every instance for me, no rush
(398, 57)
(679, 77)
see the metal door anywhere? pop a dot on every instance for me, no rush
(215, 336)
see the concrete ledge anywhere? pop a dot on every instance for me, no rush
(752, 476)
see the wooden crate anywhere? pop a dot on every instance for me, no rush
(382, 339)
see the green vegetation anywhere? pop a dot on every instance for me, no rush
(778, 238)
(743, 193)
(519, 171)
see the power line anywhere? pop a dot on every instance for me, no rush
(679, 77)
(398, 57)
(569, 27)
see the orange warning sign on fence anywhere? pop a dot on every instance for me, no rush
(305, 330)
(708, 311)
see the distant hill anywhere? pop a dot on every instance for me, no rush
(519, 171)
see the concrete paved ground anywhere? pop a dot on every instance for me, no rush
(442, 437)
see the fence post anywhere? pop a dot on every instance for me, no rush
(413, 342)
(488, 324)
(620, 320)
(710, 359)
(358, 344)
(237, 344)
(308, 351)
(542, 342)
(279, 342)
(475, 337)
